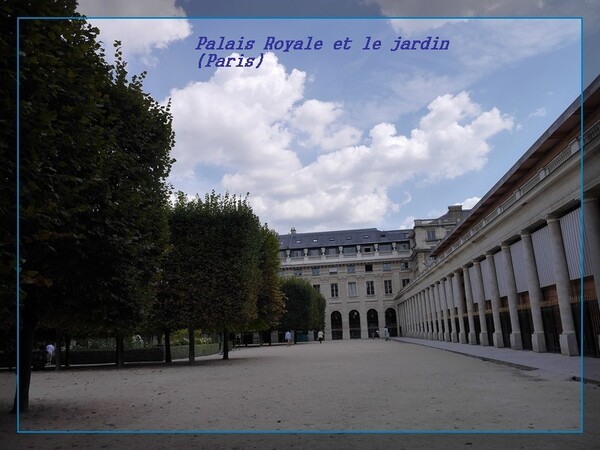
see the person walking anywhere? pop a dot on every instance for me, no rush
(50, 352)
(320, 336)
(288, 338)
(386, 334)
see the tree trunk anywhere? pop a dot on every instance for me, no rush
(120, 353)
(168, 359)
(192, 347)
(225, 344)
(67, 350)
(25, 358)
(58, 350)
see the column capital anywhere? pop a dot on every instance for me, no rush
(466, 266)
(489, 254)
(450, 275)
(525, 234)
(551, 218)
(476, 263)
(458, 271)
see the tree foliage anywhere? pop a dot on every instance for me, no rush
(305, 306)
(220, 272)
(94, 156)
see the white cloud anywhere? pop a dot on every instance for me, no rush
(318, 120)
(250, 124)
(469, 203)
(139, 37)
(540, 112)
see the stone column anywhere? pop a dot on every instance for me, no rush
(538, 338)
(516, 341)
(495, 294)
(450, 303)
(411, 324)
(443, 302)
(433, 313)
(459, 299)
(427, 314)
(483, 335)
(438, 305)
(419, 315)
(568, 338)
(472, 338)
(591, 222)
(345, 321)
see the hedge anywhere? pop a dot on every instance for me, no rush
(104, 356)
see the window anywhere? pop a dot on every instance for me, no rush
(334, 290)
(387, 267)
(315, 271)
(317, 287)
(404, 265)
(333, 270)
(430, 235)
(298, 272)
(368, 267)
(351, 268)
(315, 240)
(352, 289)
(370, 288)
(387, 285)
(405, 282)
(366, 249)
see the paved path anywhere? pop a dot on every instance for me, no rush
(413, 396)
(550, 363)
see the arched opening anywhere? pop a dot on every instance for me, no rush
(354, 317)
(336, 325)
(373, 323)
(391, 322)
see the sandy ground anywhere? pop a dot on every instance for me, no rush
(330, 388)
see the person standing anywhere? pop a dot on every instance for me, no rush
(49, 352)
(386, 334)
(320, 336)
(288, 338)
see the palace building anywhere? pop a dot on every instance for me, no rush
(515, 272)
(511, 272)
(359, 271)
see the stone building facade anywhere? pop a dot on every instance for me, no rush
(522, 269)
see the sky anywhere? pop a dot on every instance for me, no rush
(354, 137)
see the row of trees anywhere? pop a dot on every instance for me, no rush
(220, 272)
(101, 250)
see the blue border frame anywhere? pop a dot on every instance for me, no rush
(312, 432)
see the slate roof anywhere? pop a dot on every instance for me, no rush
(320, 239)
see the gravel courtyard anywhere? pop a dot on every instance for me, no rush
(334, 387)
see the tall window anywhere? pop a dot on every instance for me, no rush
(387, 284)
(352, 289)
(368, 267)
(405, 282)
(351, 268)
(317, 287)
(430, 235)
(315, 271)
(387, 267)
(370, 288)
(334, 290)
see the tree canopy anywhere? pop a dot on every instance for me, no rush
(94, 157)
(305, 306)
(221, 270)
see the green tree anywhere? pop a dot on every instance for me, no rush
(94, 155)
(270, 301)
(305, 306)
(220, 273)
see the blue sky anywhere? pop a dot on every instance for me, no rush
(338, 139)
